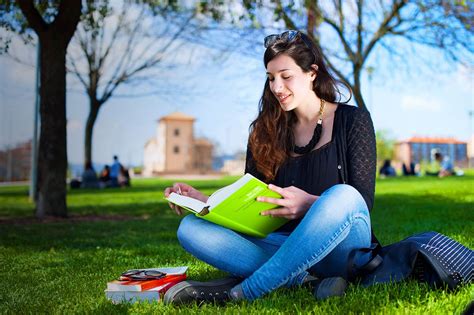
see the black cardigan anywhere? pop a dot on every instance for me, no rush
(356, 151)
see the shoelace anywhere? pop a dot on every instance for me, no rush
(212, 296)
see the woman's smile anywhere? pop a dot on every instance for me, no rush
(284, 98)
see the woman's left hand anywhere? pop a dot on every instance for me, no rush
(294, 204)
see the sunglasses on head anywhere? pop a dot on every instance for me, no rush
(286, 36)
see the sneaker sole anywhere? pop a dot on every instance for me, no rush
(329, 287)
(174, 290)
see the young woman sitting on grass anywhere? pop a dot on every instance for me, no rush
(319, 154)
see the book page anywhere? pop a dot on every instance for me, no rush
(187, 202)
(223, 193)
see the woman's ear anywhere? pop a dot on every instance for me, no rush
(314, 71)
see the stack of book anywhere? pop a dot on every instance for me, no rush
(144, 284)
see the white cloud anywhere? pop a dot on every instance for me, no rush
(420, 103)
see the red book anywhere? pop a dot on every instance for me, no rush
(140, 285)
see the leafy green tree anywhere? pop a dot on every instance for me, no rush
(54, 23)
(385, 145)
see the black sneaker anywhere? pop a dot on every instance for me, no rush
(201, 292)
(328, 287)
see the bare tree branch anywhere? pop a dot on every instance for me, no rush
(360, 22)
(35, 20)
(288, 21)
(384, 27)
(356, 27)
(77, 73)
(347, 47)
(113, 49)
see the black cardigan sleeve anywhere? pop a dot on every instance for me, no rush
(361, 155)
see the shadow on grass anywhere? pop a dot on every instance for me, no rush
(155, 187)
(395, 217)
(14, 191)
(88, 208)
(133, 209)
(130, 235)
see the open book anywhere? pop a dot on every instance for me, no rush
(235, 207)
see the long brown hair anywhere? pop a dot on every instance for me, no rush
(271, 133)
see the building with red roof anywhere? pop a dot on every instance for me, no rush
(421, 149)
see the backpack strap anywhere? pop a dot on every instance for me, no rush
(355, 272)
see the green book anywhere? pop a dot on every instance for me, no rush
(235, 207)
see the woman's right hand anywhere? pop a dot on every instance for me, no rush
(185, 190)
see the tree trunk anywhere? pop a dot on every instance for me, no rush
(52, 154)
(93, 113)
(356, 90)
(358, 97)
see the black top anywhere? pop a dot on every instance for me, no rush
(349, 158)
(313, 172)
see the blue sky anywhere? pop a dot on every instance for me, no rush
(406, 100)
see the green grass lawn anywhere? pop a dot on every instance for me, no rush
(63, 267)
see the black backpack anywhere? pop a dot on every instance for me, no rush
(429, 257)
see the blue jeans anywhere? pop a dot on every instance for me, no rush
(335, 224)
